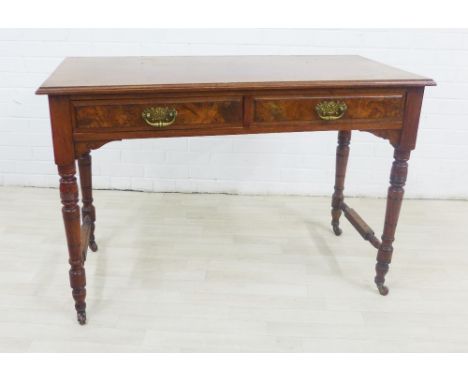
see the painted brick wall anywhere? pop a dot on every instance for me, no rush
(301, 163)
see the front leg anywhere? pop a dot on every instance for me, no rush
(71, 219)
(394, 200)
(88, 210)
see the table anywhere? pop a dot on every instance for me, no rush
(96, 100)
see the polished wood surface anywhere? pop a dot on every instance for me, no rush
(395, 197)
(114, 117)
(295, 108)
(109, 117)
(98, 100)
(81, 75)
(71, 219)
(123, 115)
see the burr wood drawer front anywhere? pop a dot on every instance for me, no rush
(333, 109)
(157, 114)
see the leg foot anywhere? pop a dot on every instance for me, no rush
(338, 231)
(81, 316)
(93, 246)
(383, 290)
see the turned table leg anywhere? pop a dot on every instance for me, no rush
(342, 153)
(71, 219)
(88, 210)
(394, 200)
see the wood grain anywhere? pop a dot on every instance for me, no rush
(125, 115)
(302, 108)
(394, 199)
(98, 75)
(71, 219)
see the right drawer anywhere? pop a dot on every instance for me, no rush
(331, 109)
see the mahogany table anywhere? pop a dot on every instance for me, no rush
(94, 101)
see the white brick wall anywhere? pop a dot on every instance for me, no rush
(301, 163)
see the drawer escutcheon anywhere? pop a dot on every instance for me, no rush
(331, 110)
(159, 116)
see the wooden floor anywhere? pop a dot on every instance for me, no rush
(220, 273)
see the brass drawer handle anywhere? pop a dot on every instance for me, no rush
(159, 116)
(331, 110)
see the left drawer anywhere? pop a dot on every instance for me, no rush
(156, 114)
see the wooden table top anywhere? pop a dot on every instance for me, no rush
(80, 75)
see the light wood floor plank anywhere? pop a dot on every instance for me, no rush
(220, 273)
